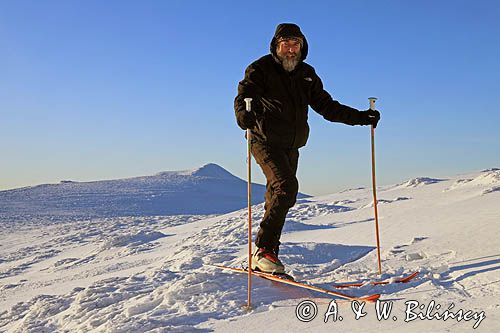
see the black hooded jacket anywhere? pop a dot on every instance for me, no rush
(281, 98)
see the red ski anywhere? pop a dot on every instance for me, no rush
(269, 276)
(403, 279)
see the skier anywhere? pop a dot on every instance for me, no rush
(282, 87)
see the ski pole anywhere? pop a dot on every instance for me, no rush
(372, 107)
(248, 102)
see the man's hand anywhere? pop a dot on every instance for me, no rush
(370, 117)
(246, 120)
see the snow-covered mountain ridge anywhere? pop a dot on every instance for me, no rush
(209, 189)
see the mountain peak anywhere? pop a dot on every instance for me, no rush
(212, 170)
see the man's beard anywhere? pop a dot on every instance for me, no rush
(289, 63)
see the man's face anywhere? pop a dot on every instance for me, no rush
(288, 51)
(289, 48)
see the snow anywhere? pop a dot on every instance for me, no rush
(86, 269)
(419, 181)
(209, 189)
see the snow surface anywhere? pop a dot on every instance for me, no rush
(206, 190)
(151, 273)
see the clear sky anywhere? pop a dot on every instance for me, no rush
(95, 90)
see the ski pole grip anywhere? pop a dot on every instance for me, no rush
(248, 102)
(372, 102)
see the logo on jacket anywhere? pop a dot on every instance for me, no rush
(308, 79)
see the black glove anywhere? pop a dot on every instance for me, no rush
(370, 117)
(246, 120)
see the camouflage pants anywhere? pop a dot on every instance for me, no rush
(280, 168)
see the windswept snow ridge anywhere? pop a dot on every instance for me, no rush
(206, 190)
(420, 181)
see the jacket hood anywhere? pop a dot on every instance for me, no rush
(289, 30)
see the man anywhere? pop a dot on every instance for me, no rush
(282, 87)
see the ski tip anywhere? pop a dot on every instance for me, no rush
(370, 298)
(409, 277)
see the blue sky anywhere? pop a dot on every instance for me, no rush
(95, 90)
